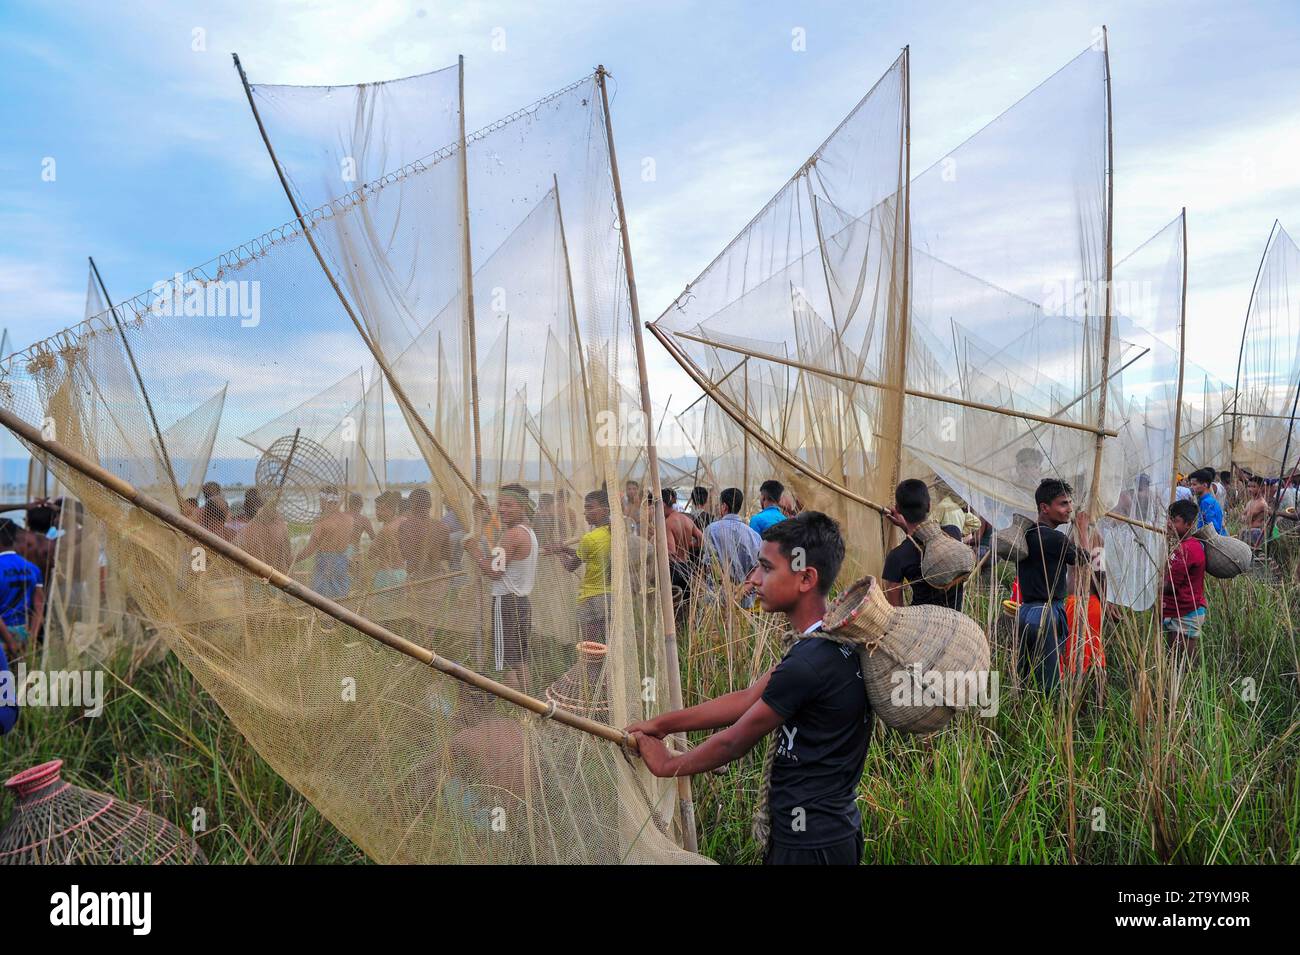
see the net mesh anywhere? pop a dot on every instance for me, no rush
(1268, 374)
(530, 387)
(988, 278)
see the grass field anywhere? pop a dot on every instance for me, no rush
(1165, 763)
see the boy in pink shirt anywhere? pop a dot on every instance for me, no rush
(1183, 601)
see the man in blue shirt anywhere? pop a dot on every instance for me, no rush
(769, 494)
(1202, 481)
(22, 600)
(732, 544)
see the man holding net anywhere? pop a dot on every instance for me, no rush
(593, 555)
(512, 567)
(808, 813)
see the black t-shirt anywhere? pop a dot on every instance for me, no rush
(1048, 553)
(817, 688)
(903, 565)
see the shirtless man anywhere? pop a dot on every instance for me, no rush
(425, 543)
(684, 542)
(385, 565)
(266, 535)
(329, 543)
(360, 523)
(1257, 511)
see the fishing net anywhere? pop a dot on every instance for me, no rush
(1268, 372)
(533, 385)
(795, 332)
(1020, 357)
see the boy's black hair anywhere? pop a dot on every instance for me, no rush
(818, 536)
(1255, 479)
(546, 499)
(734, 498)
(700, 496)
(913, 500)
(421, 500)
(669, 496)
(600, 497)
(771, 489)
(8, 532)
(39, 519)
(1204, 475)
(1049, 489)
(1187, 510)
(1225, 476)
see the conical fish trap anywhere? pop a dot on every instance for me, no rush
(56, 823)
(920, 664)
(582, 689)
(1011, 542)
(945, 562)
(1225, 557)
(292, 473)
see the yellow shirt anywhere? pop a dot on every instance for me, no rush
(593, 551)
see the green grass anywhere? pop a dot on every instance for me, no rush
(1185, 769)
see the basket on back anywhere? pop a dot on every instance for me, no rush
(1225, 557)
(56, 823)
(904, 650)
(945, 562)
(1011, 542)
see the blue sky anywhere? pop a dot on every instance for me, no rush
(159, 167)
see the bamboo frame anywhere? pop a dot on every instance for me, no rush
(467, 283)
(742, 420)
(910, 392)
(287, 584)
(1182, 351)
(685, 798)
(1245, 327)
(398, 391)
(139, 380)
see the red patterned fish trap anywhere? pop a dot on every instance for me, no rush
(57, 823)
(583, 689)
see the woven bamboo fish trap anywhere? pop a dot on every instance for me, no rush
(898, 644)
(1225, 557)
(57, 823)
(582, 689)
(1011, 542)
(945, 562)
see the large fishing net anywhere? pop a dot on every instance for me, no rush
(1262, 431)
(370, 387)
(987, 278)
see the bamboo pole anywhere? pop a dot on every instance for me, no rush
(911, 392)
(139, 380)
(1182, 354)
(906, 320)
(742, 420)
(685, 799)
(467, 282)
(283, 582)
(1094, 492)
(398, 391)
(573, 321)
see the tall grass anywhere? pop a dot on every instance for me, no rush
(1166, 760)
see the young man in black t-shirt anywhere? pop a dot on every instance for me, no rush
(1041, 621)
(903, 563)
(814, 696)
